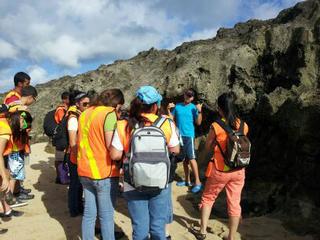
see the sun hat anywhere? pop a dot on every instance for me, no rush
(149, 95)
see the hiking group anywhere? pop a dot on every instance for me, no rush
(103, 149)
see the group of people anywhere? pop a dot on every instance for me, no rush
(99, 135)
(100, 143)
(15, 125)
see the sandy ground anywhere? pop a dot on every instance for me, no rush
(46, 216)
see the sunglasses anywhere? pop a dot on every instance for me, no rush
(85, 104)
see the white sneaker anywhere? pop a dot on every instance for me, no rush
(18, 203)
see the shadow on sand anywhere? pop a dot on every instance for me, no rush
(55, 200)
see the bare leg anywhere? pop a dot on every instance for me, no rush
(5, 206)
(205, 214)
(233, 227)
(194, 167)
(186, 171)
(12, 184)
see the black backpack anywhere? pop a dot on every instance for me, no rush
(60, 137)
(49, 124)
(237, 154)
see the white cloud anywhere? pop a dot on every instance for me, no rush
(7, 50)
(38, 74)
(200, 35)
(67, 33)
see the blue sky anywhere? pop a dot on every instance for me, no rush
(50, 39)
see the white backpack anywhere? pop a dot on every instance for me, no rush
(149, 163)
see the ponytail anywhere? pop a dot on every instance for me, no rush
(226, 104)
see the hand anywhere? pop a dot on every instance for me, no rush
(199, 107)
(171, 105)
(5, 184)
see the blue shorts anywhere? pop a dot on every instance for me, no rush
(16, 165)
(187, 151)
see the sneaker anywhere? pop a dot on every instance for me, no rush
(25, 190)
(13, 213)
(183, 184)
(118, 234)
(23, 196)
(3, 230)
(196, 188)
(18, 203)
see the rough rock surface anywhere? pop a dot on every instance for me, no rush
(273, 67)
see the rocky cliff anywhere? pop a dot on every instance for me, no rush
(273, 67)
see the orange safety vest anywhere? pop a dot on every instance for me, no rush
(10, 94)
(125, 136)
(93, 156)
(222, 137)
(72, 112)
(6, 130)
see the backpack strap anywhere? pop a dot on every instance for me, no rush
(241, 129)
(159, 122)
(225, 127)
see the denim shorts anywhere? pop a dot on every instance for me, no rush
(188, 151)
(16, 165)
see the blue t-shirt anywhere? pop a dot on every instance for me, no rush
(185, 116)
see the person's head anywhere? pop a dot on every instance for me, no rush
(93, 95)
(21, 79)
(82, 101)
(147, 100)
(226, 108)
(65, 98)
(111, 98)
(189, 95)
(29, 95)
(20, 120)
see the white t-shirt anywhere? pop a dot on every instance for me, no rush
(73, 124)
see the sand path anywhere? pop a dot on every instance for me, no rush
(46, 216)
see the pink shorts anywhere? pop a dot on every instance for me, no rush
(232, 181)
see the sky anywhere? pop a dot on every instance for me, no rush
(53, 38)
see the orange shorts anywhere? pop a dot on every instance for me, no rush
(217, 181)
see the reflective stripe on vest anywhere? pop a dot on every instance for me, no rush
(6, 130)
(93, 157)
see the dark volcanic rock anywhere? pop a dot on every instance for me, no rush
(272, 66)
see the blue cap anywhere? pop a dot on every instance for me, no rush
(149, 95)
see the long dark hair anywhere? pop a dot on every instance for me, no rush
(110, 97)
(137, 107)
(226, 104)
(17, 133)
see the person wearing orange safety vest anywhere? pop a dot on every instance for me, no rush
(99, 174)
(11, 128)
(148, 210)
(21, 80)
(28, 97)
(75, 188)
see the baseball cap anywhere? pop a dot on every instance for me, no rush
(149, 95)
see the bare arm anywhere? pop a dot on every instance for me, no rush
(175, 150)
(199, 118)
(5, 179)
(73, 141)
(115, 154)
(210, 142)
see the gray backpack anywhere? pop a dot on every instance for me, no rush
(149, 162)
